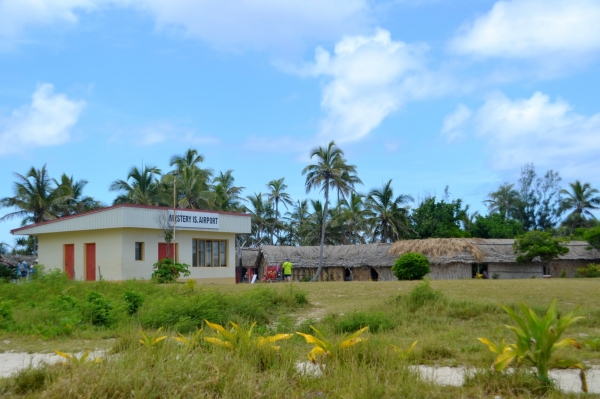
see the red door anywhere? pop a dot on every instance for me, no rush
(70, 260)
(162, 251)
(90, 262)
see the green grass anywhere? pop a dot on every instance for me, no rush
(446, 318)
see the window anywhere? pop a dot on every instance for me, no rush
(139, 251)
(209, 253)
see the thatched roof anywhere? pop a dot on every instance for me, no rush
(249, 257)
(333, 255)
(12, 260)
(437, 250)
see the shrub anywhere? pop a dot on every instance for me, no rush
(411, 266)
(8, 273)
(133, 301)
(591, 270)
(377, 321)
(5, 311)
(98, 309)
(167, 271)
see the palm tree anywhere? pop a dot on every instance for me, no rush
(297, 220)
(277, 195)
(192, 182)
(37, 197)
(145, 188)
(353, 215)
(262, 218)
(75, 202)
(325, 175)
(388, 214)
(504, 201)
(468, 220)
(581, 200)
(228, 196)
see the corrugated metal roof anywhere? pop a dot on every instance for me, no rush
(130, 216)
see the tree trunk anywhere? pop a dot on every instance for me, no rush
(276, 220)
(316, 277)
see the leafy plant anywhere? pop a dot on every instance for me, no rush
(98, 309)
(540, 244)
(402, 353)
(323, 347)
(133, 301)
(5, 311)
(189, 343)
(8, 273)
(74, 360)
(237, 337)
(189, 286)
(167, 271)
(411, 266)
(537, 340)
(150, 340)
(591, 270)
(593, 343)
(377, 321)
(592, 236)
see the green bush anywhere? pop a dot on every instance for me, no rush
(591, 270)
(8, 273)
(411, 266)
(166, 271)
(98, 309)
(5, 311)
(423, 295)
(377, 321)
(133, 301)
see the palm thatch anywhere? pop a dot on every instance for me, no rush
(437, 248)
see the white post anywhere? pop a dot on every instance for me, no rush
(174, 216)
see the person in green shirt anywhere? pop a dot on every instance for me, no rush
(287, 270)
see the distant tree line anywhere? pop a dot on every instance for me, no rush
(344, 214)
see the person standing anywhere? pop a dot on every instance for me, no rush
(287, 270)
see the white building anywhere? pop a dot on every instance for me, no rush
(124, 241)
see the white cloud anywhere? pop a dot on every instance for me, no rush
(367, 78)
(16, 15)
(455, 123)
(160, 132)
(557, 31)
(47, 121)
(548, 133)
(228, 24)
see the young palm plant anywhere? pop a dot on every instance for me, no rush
(537, 340)
(238, 338)
(324, 347)
(150, 340)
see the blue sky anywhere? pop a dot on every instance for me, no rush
(427, 93)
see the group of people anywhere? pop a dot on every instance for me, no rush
(24, 270)
(286, 268)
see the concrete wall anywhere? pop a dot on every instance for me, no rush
(115, 253)
(109, 246)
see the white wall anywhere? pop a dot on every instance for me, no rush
(108, 251)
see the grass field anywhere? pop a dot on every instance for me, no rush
(446, 322)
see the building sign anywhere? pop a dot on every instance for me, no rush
(194, 220)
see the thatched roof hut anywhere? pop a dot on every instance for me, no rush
(450, 258)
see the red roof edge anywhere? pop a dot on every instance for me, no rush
(122, 206)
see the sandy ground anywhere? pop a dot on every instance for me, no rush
(567, 380)
(12, 362)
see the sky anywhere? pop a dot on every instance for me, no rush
(428, 93)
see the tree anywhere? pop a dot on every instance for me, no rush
(592, 236)
(75, 202)
(411, 266)
(495, 226)
(228, 195)
(142, 187)
(540, 244)
(504, 201)
(388, 214)
(276, 195)
(439, 219)
(297, 220)
(539, 205)
(353, 216)
(37, 197)
(192, 182)
(262, 217)
(326, 174)
(581, 200)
